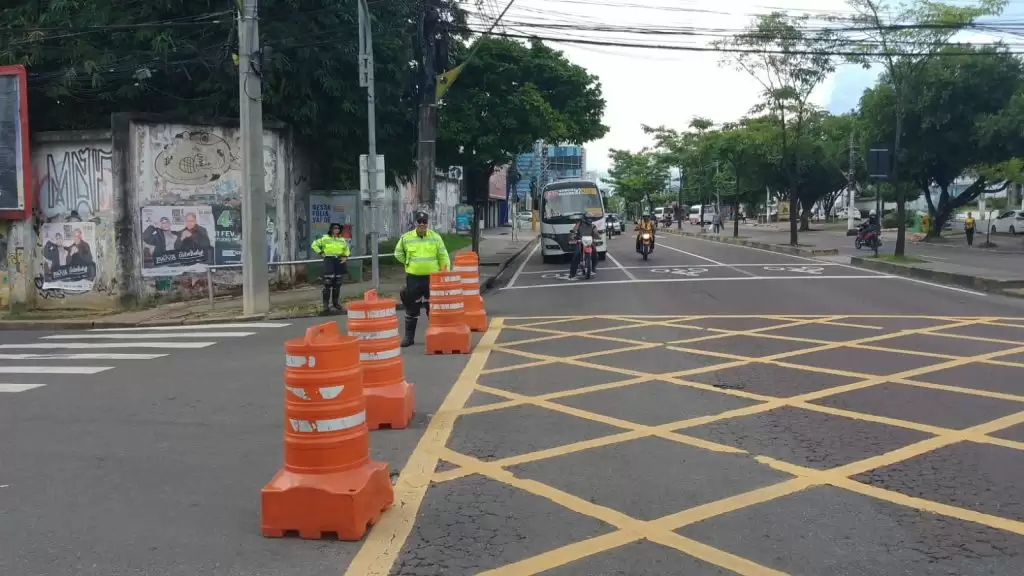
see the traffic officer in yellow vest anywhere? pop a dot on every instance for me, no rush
(335, 251)
(422, 252)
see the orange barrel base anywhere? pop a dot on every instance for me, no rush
(390, 406)
(476, 320)
(344, 503)
(449, 339)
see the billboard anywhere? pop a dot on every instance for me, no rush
(15, 200)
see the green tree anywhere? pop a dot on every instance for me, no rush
(90, 58)
(508, 96)
(638, 177)
(789, 61)
(952, 128)
(904, 37)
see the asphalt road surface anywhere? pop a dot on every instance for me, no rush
(716, 410)
(722, 410)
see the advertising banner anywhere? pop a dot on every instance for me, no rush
(228, 235)
(463, 219)
(176, 240)
(14, 144)
(67, 256)
(324, 210)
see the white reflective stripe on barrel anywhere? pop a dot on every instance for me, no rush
(464, 269)
(470, 292)
(473, 280)
(332, 425)
(456, 306)
(382, 355)
(357, 314)
(451, 279)
(327, 392)
(437, 293)
(385, 313)
(381, 335)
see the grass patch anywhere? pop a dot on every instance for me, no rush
(894, 259)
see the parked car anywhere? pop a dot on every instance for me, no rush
(1009, 222)
(524, 219)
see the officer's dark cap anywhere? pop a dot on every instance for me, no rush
(421, 217)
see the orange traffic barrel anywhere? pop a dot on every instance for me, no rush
(447, 332)
(467, 264)
(328, 483)
(389, 398)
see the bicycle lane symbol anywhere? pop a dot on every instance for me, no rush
(688, 272)
(798, 269)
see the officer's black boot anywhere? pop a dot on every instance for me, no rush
(326, 294)
(335, 297)
(410, 331)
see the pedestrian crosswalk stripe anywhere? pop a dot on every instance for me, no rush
(137, 336)
(86, 356)
(240, 325)
(19, 387)
(53, 369)
(98, 345)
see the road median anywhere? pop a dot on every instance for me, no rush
(931, 272)
(750, 243)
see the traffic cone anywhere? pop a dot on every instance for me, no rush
(467, 264)
(328, 483)
(447, 332)
(390, 400)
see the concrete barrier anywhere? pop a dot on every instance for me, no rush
(1013, 288)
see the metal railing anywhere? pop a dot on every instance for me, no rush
(211, 269)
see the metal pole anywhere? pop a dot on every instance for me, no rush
(849, 186)
(209, 285)
(367, 80)
(682, 213)
(255, 284)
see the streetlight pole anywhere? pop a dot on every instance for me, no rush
(366, 80)
(255, 285)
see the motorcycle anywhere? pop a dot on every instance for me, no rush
(869, 238)
(645, 245)
(586, 261)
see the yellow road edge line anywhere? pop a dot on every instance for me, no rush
(384, 543)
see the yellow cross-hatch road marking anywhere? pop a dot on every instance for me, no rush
(382, 547)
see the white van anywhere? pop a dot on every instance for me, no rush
(562, 205)
(709, 214)
(659, 214)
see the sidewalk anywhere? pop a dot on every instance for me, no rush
(497, 249)
(946, 261)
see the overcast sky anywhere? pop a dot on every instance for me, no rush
(669, 87)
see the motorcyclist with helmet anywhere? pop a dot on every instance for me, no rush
(644, 225)
(585, 227)
(870, 225)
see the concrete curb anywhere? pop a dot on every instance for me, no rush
(86, 324)
(982, 284)
(793, 250)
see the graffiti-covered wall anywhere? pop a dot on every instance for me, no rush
(187, 181)
(73, 260)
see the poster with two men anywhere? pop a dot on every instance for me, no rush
(68, 262)
(176, 240)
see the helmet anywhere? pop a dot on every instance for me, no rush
(646, 216)
(873, 213)
(421, 216)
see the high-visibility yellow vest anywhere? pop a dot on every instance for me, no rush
(330, 246)
(422, 256)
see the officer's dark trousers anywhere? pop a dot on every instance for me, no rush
(334, 273)
(416, 288)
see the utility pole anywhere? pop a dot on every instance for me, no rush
(426, 151)
(849, 184)
(366, 80)
(255, 283)
(679, 224)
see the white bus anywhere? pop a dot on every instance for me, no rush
(695, 216)
(562, 205)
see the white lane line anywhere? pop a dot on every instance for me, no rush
(621, 267)
(54, 369)
(879, 274)
(18, 388)
(715, 262)
(240, 325)
(99, 345)
(744, 278)
(700, 266)
(524, 263)
(147, 336)
(80, 356)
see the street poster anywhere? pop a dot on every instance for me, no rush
(176, 240)
(325, 210)
(68, 262)
(463, 218)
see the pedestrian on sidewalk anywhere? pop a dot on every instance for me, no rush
(422, 252)
(969, 229)
(333, 248)
(718, 223)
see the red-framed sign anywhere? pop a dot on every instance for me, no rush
(15, 159)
